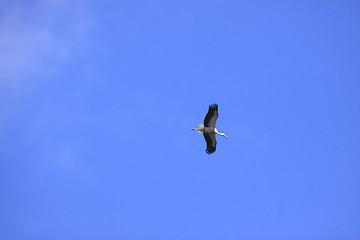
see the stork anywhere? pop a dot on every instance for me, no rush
(209, 130)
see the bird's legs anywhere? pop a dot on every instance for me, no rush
(221, 134)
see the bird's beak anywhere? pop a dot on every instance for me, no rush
(192, 129)
(226, 137)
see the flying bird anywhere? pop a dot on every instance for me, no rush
(209, 129)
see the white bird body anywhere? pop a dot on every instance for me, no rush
(209, 130)
(200, 129)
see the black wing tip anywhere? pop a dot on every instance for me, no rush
(213, 106)
(210, 151)
(209, 147)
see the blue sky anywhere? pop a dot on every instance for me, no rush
(97, 100)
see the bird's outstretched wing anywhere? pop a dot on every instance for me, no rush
(210, 142)
(211, 116)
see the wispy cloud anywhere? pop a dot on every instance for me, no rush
(38, 36)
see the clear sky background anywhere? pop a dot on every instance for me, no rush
(97, 99)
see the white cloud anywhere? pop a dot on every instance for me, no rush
(38, 38)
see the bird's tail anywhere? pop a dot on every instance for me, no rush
(200, 128)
